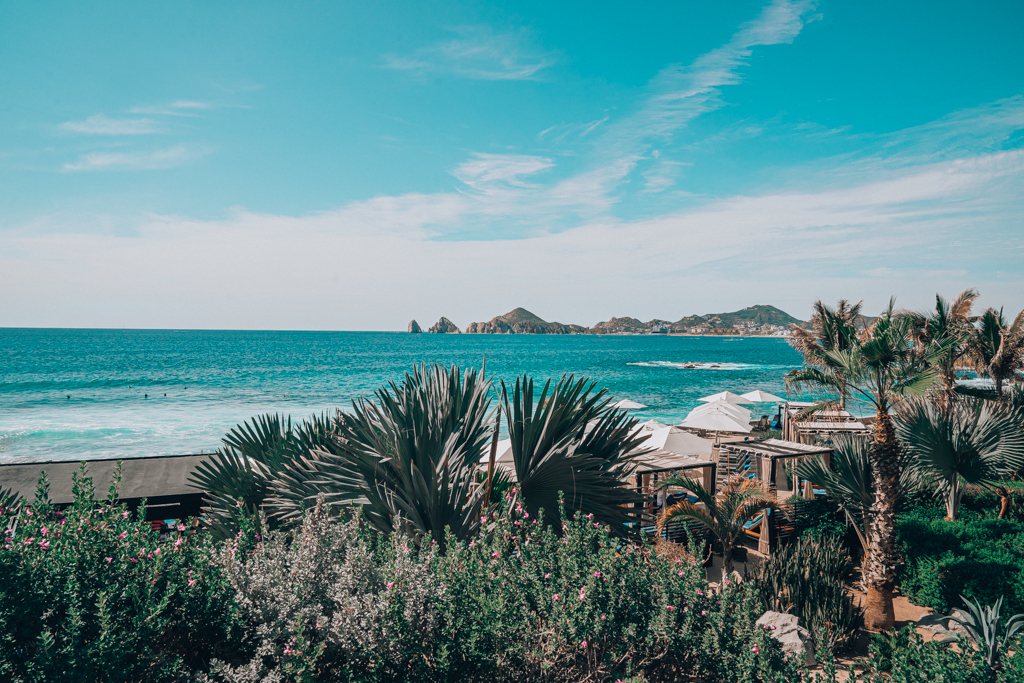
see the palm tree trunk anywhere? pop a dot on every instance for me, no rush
(883, 557)
(727, 565)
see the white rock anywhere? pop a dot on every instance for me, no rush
(794, 639)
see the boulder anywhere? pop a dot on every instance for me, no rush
(795, 640)
(444, 326)
(414, 327)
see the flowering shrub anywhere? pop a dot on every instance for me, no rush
(89, 594)
(336, 601)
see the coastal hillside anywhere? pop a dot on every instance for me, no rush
(522, 321)
(760, 318)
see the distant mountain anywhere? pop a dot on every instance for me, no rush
(444, 326)
(521, 321)
(753, 317)
(757, 315)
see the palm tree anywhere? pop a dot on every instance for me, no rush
(723, 513)
(997, 348)
(571, 442)
(949, 326)
(832, 329)
(882, 367)
(971, 441)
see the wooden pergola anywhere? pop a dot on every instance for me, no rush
(764, 457)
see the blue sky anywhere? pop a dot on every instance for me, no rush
(355, 165)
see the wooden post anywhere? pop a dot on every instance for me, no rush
(490, 461)
(764, 541)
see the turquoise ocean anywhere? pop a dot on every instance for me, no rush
(82, 394)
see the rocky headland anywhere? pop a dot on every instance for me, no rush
(759, 319)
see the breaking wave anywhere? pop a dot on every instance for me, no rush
(704, 365)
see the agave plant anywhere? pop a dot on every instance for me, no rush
(982, 627)
(970, 441)
(570, 441)
(409, 457)
(239, 476)
(723, 513)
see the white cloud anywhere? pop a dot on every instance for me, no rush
(375, 264)
(477, 53)
(101, 125)
(133, 161)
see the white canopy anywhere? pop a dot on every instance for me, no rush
(735, 399)
(676, 440)
(626, 404)
(716, 420)
(759, 396)
(649, 426)
(503, 455)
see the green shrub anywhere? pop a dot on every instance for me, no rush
(819, 518)
(338, 601)
(905, 657)
(89, 594)
(980, 558)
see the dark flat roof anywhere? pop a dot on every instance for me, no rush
(165, 475)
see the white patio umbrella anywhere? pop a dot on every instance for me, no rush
(716, 420)
(739, 412)
(735, 399)
(626, 404)
(649, 426)
(676, 440)
(759, 396)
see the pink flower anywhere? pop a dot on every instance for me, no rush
(123, 534)
(191, 582)
(44, 544)
(671, 608)
(494, 554)
(583, 644)
(125, 514)
(472, 544)
(703, 613)
(109, 560)
(181, 527)
(389, 584)
(157, 551)
(556, 597)
(43, 531)
(547, 576)
(238, 504)
(602, 617)
(597, 574)
(526, 515)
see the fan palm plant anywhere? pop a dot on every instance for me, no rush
(880, 368)
(570, 441)
(239, 476)
(409, 457)
(831, 329)
(949, 327)
(723, 513)
(997, 348)
(970, 441)
(847, 481)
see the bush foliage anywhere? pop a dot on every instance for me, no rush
(339, 602)
(89, 594)
(977, 556)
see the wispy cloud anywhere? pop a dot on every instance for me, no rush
(102, 125)
(177, 108)
(478, 53)
(133, 161)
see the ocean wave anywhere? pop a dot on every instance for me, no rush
(705, 365)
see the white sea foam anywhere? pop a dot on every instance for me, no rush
(705, 365)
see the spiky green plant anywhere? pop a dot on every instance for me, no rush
(982, 626)
(570, 441)
(239, 476)
(997, 347)
(807, 578)
(409, 457)
(953, 443)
